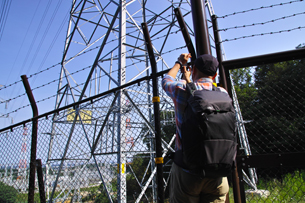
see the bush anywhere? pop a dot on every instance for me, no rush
(290, 189)
(8, 193)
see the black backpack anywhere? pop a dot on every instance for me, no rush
(208, 133)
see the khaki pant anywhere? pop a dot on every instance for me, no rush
(188, 188)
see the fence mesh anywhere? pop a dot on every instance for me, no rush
(103, 150)
(272, 106)
(272, 121)
(99, 151)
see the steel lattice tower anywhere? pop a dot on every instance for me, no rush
(22, 168)
(105, 43)
(104, 49)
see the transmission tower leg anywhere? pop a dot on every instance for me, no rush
(11, 174)
(152, 144)
(149, 99)
(48, 181)
(121, 136)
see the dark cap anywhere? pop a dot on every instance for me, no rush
(206, 64)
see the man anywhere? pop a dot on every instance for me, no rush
(187, 186)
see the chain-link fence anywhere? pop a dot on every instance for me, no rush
(100, 150)
(103, 149)
(272, 130)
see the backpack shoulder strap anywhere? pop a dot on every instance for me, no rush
(214, 88)
(191, 88)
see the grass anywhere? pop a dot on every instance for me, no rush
(290, 189)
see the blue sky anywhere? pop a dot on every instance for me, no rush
(34, 35)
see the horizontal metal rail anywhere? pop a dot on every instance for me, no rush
(264, 59)
(272, 160)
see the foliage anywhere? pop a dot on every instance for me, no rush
(273, 102)
(168, 127)
(99, 194)
(244, 87)
(134, 176)
(102, 196)
(8, 193)
(278, 107)
(290, 189)
(91, 193)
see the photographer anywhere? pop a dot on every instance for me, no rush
(186, 186)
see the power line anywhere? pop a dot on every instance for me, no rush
(44, 35)
(32, 43)
(22, 107)
(92, 49)
(4, 13)
(53, 42)
(23, 40)
(36, 34)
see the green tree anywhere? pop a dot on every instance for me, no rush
(244, 88)
(168, 127)
(8, 194)
(135, 173)
(102, 196)
(140, 162)
(276, 110)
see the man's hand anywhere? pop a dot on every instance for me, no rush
(183, 58)
(186, 74)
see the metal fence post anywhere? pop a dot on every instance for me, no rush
(40, 181)
(223, 80)
(185, 34)
(200, 28)
(156, 101)
(34, 138)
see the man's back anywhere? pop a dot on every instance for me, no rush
(208, 134)
(185, 186)
(176, 90)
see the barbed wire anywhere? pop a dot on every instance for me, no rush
(89, 50)
(47, 98)
(174, 32)
(6, 86)
(8, 100)
(14, 83)
(46, 84)
(263, 23)
(262, 7)
(32, 75)
(162, 54)
(35, 74)
(43, 85)
(262, 34)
